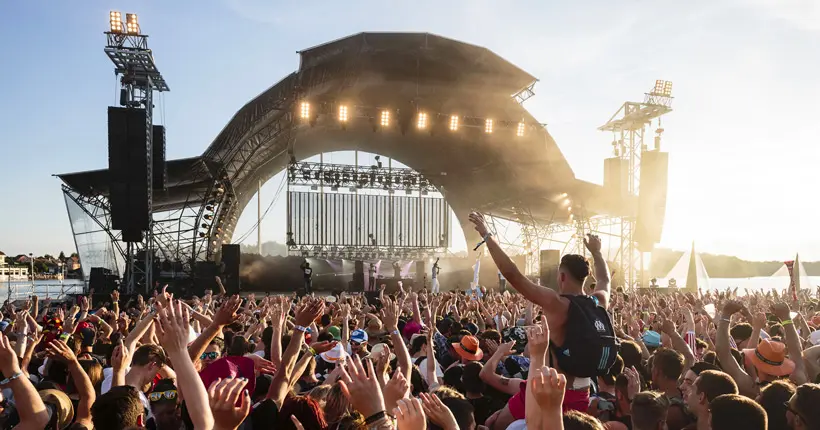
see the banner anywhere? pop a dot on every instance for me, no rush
(474, 285)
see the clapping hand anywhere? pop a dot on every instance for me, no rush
(395, 389)
(224, 396)
(59, 351)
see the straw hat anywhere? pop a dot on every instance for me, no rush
(770, 357)
(62, 406)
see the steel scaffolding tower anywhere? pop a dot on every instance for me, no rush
(628, 125)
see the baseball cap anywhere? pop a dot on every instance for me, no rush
(358, 336)
(651, 339)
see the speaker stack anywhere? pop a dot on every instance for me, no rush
(550, 260)
(128, 169)
(230, 271)
(652, 199)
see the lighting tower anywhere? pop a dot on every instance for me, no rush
(629, 125)
(127, 48)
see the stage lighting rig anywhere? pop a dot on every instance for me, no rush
(454, 123)
(421, 123)
(488, 126)
(384, 121)
(520, 131)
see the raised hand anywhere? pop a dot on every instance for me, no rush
(362, 391)
(538, 339)
(9, 363)
(173, 327)
(633, 386)
(390, 315)
(409, 414)
(395, 390)
(781, 310)
(438, 413)
(548, 388)
(309, 311)
(505, 348)
(223, 397)
(227, 312)
(593, 243)
(59, 351)
(120, 358)
(480, 223)
(732, 307)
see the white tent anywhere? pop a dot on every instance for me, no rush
(801, 278)
(689, 272)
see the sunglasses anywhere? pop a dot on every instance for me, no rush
(209, 356)
(159, 395)
(354, 343)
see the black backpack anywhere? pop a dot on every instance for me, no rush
(590, 345)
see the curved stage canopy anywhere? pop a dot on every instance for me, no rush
(498, 173)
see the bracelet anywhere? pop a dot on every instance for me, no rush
(395, 332)
(302, 329)
(375, 417)
(786, 322)
(728, 320)
(312, 351)
(486, 236)
(11, 378)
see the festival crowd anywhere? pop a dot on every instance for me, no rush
(530, 357)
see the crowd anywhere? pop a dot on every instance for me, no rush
(583, 357)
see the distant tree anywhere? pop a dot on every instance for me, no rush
(62, 256)
(40, 267)
(48, 257)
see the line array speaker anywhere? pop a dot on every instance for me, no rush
(128, 169)
(230, 260)
(159, 168)
(652, 199)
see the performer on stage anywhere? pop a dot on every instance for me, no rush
(372, 284)
(436, 271)
(308, 272)
(396, 270)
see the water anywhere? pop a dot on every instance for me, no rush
(53, 289)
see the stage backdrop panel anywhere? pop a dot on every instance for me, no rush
(341, 219)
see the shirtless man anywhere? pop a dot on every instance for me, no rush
(571, 275)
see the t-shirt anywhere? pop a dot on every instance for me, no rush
(485, 407)
(308, 272)
(264, 414)
(423, 370)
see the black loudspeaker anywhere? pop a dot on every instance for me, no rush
(205, 273)
(421, 272)
(102, 281)
(129, 235)
(128, 169)
(615, 176)
(159, 168)
(550, 259)
(230, 273)
(357, 285)
(652, 199)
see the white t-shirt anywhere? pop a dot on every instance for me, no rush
(423, 369)
(108, 378)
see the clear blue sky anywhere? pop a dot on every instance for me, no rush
(743, 138)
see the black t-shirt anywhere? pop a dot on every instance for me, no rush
(308, 273)
(484, 408)
(264, 415)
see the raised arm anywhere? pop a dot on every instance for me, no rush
(32, 411)
(58, 350)
(593, 244)
(500, 383)
(226, 315)
(793, 343)
(543, 296)
(745, 384)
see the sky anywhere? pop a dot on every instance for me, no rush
(743, 136)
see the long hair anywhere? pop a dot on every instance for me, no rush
(303, 408)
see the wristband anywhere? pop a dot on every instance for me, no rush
(728, 320)
(486, 236)
(373, 418)
(15, 376)
(786, 322)
(302, 329)
(395, 332)
(312, 351)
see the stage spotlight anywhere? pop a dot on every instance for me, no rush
(520, 131)
(304, 110)
(567, 202)
(385, 119)
(488, 126)
(454, 123)
(342, 113)
(131, 24)
(115, 21)
(663, 88)
(422, 121)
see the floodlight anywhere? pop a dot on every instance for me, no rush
(567, 202)
(667, 88)
(422, 121)
(342, 113)
(115, 21)
(454, 123)
(385, 121)
(488, 126)
(304, 111)
(131, 24)
(520, 131)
